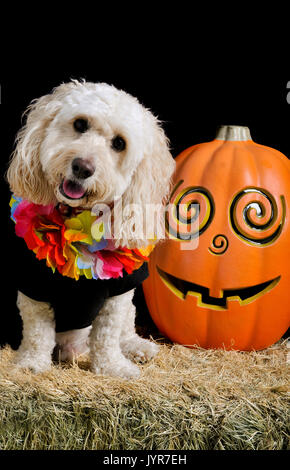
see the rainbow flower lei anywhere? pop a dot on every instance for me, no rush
(74, 246)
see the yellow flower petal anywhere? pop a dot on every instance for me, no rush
(98, 231)
(146, 250)
(79, 227)
(12, 200)
(74, 224)
(87, 272)
(74, 236)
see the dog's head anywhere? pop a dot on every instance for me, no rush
(88, 143)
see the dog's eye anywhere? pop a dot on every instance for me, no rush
(81, 125)
(118, 143)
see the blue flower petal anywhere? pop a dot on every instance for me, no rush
(83, 263)
(15, 204)
(95, 276)
(96, 246)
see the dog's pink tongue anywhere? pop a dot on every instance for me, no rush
(73, 189)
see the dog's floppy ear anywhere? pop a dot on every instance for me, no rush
(150, 185)
(25, 175)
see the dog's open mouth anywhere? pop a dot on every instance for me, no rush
(244, 295)
(71, 189)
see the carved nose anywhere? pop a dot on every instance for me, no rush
(219, 245)
(82, 169)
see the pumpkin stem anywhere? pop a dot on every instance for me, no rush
(233, 133)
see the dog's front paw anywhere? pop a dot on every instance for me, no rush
(36, 364)
(139, 349)
(117, 367)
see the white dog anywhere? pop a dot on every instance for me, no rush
(85, 144)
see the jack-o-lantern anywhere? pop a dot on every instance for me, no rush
(232, 290)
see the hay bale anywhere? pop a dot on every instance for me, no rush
(185, 399)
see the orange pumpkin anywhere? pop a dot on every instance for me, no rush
(232, 291)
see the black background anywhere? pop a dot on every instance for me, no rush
(191, 93)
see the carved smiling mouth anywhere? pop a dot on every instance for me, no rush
(245, 295)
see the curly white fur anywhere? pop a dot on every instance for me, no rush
(48, 143)
(113, 339)
(38, 334)
(139, 176)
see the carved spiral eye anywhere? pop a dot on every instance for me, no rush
(255, 216)
(190, 213)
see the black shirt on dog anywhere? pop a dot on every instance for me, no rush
(75, 303)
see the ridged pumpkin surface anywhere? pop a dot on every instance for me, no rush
(233, 289)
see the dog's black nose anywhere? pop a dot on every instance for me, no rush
(82, 169)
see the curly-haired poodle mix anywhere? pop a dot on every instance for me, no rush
(85, 144)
